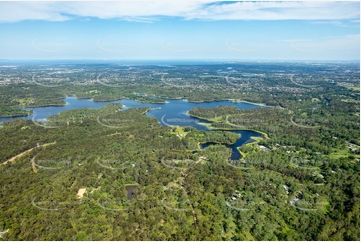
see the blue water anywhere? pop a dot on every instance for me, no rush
(245, 138)
(171, 113)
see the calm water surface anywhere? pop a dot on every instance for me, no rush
(171, 113)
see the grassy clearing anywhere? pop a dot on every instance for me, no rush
(180, 131)
(341, 153)
(256, 141)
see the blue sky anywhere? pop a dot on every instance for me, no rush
(204, 30)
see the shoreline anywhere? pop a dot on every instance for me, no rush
(16, 116)
(242, 101)
(208, 125)
(255, 139)
(113, 100)
(230, 100)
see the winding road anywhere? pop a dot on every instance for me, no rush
(25, 152)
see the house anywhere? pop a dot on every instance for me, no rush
(3, 232)
(286, 188)
(264, 148)
(81, 193)
(238, 194)
(294, 200)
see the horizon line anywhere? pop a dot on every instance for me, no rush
(170, 59)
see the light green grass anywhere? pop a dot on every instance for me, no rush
(179, 130)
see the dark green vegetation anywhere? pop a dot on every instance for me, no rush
(302, 183)
(13, 112)
(89, 155)
(311, 157)
(217, 137)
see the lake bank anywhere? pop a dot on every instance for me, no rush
(254, 139)
(94, 99)
(174, 112)
(212, 120)
(243, 101)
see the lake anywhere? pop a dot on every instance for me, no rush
(171, 113)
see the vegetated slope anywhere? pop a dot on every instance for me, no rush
(181, 193)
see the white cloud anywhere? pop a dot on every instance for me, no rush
(349, 42)
(280, 11)
(203, 10)
(353, 24)
(18, 11)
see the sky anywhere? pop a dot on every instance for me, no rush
(180, 30)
